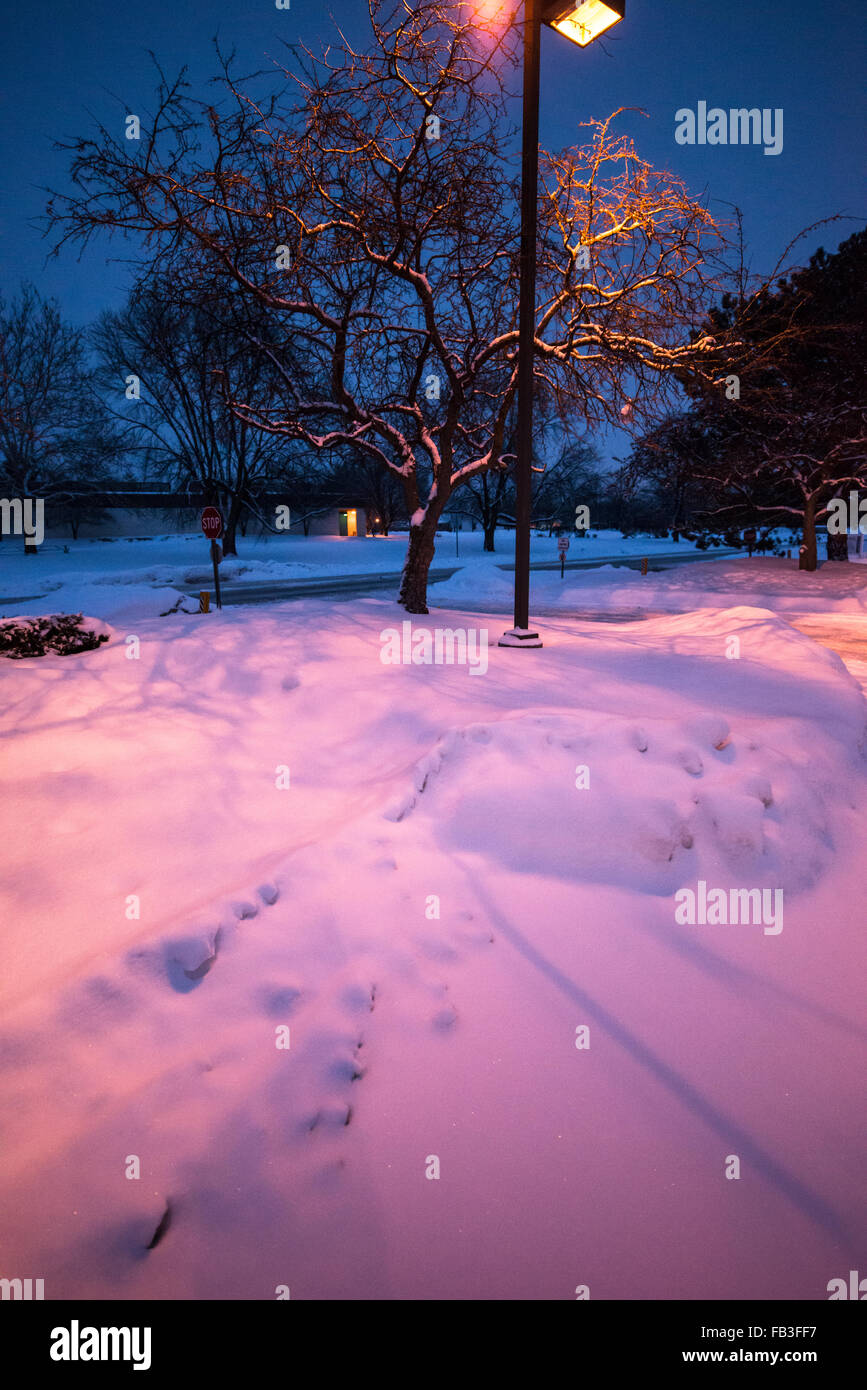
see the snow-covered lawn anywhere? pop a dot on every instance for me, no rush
(433, 907)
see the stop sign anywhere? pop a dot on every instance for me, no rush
(212, 523)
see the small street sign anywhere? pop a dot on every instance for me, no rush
(562, 547)
(212, 523)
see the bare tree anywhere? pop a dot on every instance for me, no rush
(377, 214)
(186, 355)
(55, 443)
(668, 460)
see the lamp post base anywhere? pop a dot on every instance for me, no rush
(520, 637)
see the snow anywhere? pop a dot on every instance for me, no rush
(176, 560)
(761, 581)
(312, 907)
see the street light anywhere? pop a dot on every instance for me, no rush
(582, 21)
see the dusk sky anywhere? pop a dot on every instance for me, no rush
(65, 66)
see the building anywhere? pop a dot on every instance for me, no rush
(154, 512)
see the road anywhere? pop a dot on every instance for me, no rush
(350, 585)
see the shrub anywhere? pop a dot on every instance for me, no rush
(62, 633)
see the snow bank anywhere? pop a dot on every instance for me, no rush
(719, 584)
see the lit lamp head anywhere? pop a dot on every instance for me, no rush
(582, 20)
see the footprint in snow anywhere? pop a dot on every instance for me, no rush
(479, 733)
(711, 730)
(359, 998)
(690, 762)
(436, 949)
(760, 787)
(279, 1001)
(386, 863)
(187, 960)
(346, 1069)
(446, 1019)
(330, 1117)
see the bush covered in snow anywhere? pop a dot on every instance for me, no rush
(62, 633)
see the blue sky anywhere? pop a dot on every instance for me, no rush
(62, 65)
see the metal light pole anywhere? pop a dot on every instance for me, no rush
(520, 635)
(582, 21)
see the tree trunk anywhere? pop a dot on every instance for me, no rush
(808, 559)
(413, 584)
(490, 531)
(838, 547)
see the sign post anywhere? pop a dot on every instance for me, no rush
(562, 547)
(212, 525)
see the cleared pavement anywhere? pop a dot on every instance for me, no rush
(350, 585)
